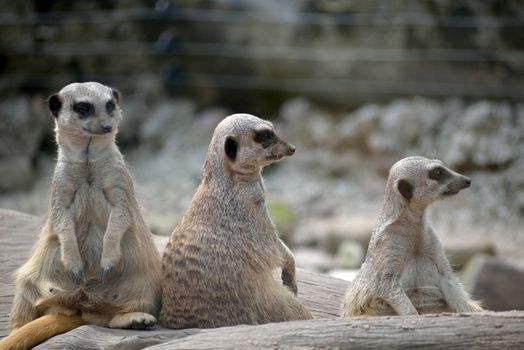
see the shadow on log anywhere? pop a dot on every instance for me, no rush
(321, 294)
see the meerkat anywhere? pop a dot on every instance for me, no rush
(217, 266)
(95, 261)
(406, 271)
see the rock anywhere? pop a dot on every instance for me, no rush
(15, 172)
(355, 128)
(135, 112)
(293, 110)
(313, 259)
(403, 124)
(486, 135)
(21, 132)
(168, 117)
(330, 232)
(309, 126)
(513, 182)
(350, 254)
(460, 251)
(496, 283)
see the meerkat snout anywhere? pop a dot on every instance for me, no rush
(457, 184)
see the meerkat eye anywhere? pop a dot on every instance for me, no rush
(84, 109)
(438, 173)
(265, 137)
(110, 106)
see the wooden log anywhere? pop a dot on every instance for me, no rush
(446, 331)
(321, 294)
(18, 233)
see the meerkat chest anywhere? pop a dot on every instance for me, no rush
(419, 268)
(90, 204)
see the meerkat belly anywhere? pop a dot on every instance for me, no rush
(91, 214)
(420, 281)
(419, 272)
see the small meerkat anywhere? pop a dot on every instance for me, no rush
(217, 267)
(406, 271)
(95, 261)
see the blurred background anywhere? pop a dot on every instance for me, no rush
(354, 84)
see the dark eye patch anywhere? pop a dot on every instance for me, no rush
(84, 109)
(438, 174)
(110, 106)
(265, 137)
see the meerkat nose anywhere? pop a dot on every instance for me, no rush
(107, 128)
(467, 181)
(291, 150)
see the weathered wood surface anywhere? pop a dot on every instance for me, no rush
(480, 331)
(321, 294)
(18, 232)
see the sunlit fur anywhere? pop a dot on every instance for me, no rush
(406, 271)
(95, 256)
(217, 265)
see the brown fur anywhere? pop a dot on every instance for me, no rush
(217, 265)
(40, 330)
(95, 256)
(406, 271)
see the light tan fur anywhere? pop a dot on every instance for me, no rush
(95, 256)
(217, 266)
(406, 271)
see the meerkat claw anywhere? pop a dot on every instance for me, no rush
(104, 273)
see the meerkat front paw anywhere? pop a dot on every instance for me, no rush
(108, 263)
(289, 281)
(106, 266)
(74, 266)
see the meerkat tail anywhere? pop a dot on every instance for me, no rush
(39, 330)
(475, 305)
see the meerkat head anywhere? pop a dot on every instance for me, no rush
(86, 109)
(422, 181)
(249, 143)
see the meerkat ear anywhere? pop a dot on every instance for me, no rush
(231, 147)
(405, 189)
(54, 104)
(116, 95)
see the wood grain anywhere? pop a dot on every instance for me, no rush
(321, 294)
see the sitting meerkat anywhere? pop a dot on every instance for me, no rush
(95, 261)
(406, 271)
(217, 266)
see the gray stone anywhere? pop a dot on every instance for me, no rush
(167, 118)
(496, 283)
(331, 232)
(313, 259)
(403, 124)
(15, 172)
(486, 135)
(460, 251)
(22, 128)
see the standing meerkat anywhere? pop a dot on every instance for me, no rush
(217, 267)
(95, 261)
(406, 271)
